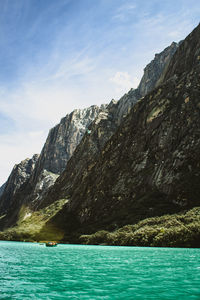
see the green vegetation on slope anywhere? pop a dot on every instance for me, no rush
(177, 230)
(32, 226)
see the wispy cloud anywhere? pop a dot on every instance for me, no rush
(16, 147)
(124, 12)
(124, 82)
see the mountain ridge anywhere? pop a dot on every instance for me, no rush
(150, 166)
(87, 153)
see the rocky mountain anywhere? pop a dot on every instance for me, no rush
(64, 137)
(151, 77)
(58, 148)
(149, 167)
(62, 143)
(154, 69)
(107, 122)
(32, 177)
(19, 175)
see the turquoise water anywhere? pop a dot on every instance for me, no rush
(33, 271)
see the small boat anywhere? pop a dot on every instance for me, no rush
(51, 244)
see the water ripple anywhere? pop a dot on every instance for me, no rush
(96, 272)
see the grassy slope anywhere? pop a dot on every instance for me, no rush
(32, 225)
(177, 230)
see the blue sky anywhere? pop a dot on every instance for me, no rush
(58, 55)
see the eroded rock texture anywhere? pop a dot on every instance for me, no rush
(59, 147)
(19, 176)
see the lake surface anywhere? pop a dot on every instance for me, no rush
(33, 271)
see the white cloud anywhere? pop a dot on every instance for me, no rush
(37, 134)
(165, 27)
(124, 82)
(124, 12)
(17, 147)
(47, 97)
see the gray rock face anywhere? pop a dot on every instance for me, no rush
(19, 175)
(152, 75)
(58, 149)
(150, 79)
(63, 139)
(154, 69)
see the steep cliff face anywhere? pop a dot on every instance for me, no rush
(59, 147)
(154, 69)
(19, 175)
(63, 139)
(149, 167)
(152, 75)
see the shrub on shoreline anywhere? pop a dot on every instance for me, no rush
(178, 230)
